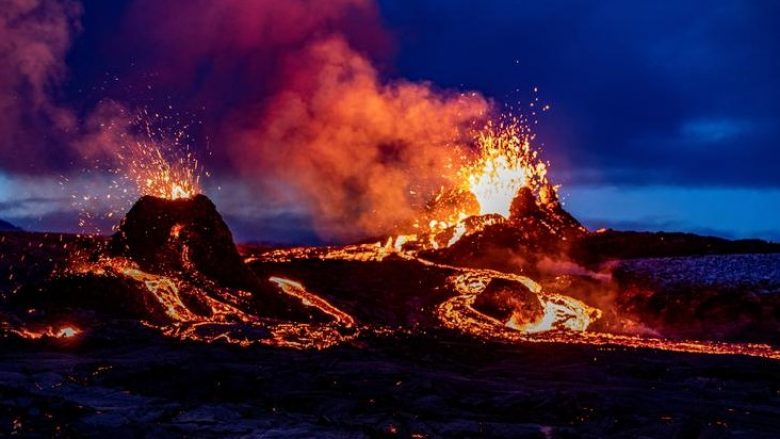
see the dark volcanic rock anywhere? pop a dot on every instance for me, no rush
(719, 297)
(5, 226)
(181, 235)
(504, 299)
(87, 296)
(184, 241)
(393, 292)
(532, 232)
(428, 385)
(29, 257)
(597, 247)
(526, 207)
(189, 237)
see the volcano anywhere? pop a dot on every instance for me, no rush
(171, 260)
(167, 313)
(534, 230)
(494, 267)
(179, 236)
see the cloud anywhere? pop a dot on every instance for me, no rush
(34, 38)
(311, 119)
(354, 148)
(623, 79)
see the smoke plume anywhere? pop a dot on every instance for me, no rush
(295, 97)
(356, 149)
(314, 121)
(34, 38)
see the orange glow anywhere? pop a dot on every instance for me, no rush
(228, 317)
(297, 290)
(506, 163)
(564, 319)
(48, 332)
(158, 176)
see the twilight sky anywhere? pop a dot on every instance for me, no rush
(664, 115)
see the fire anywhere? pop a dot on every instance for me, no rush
(146, 154)
(158, 159)
(505, 164)
(157, 175)
(67, 331)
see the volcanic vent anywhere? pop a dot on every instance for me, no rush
(536, 228)
(181, 235)
(173, 265)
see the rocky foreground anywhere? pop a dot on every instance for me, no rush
(405, 376)
(422, 385)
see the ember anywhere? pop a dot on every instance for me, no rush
(175, 265)
(159, 162)
(506, 163)
(47, 332)
(378, 255)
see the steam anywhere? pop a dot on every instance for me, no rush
(294, 97)
(315, 122)
(361, 153)
(35, 35)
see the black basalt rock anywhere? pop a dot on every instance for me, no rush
(181, 235)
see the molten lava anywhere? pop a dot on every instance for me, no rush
(154, 174)
(505, 164)
(506, 172)
(47, 332)
(174, 261)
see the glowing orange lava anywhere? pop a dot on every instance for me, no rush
(226, 318)
(156, 175)
(505, 164)
(67, 331)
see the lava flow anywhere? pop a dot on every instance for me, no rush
(173, 265)
(159, 168)
(46, 332)
(506, 175)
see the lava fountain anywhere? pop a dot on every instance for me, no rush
(505, 164)
(505, 186)
(173, 261)
(159, 170)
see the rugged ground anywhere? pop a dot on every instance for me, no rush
(120, 378)
(424, 385)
